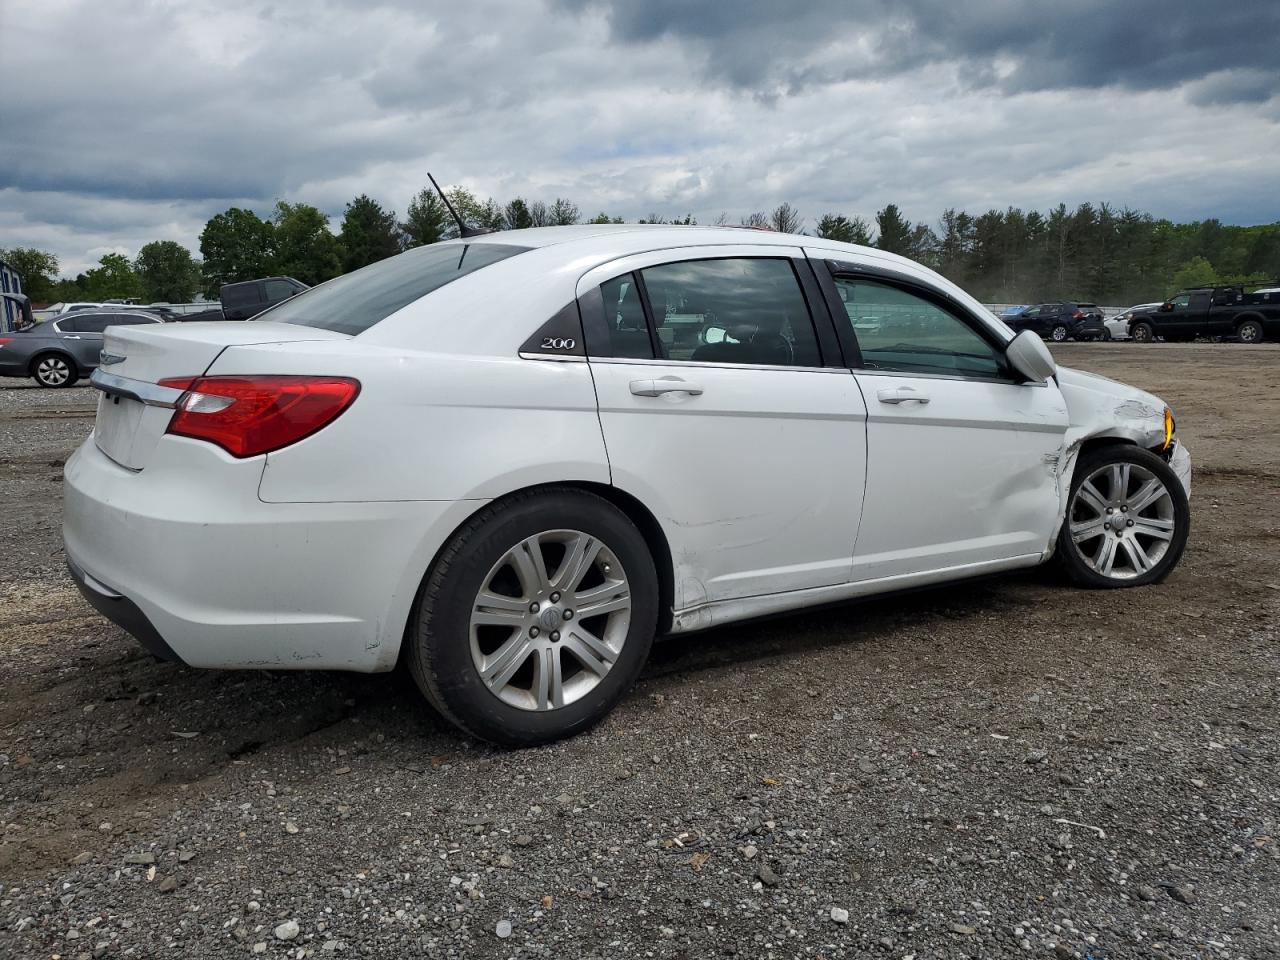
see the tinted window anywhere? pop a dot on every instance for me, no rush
(278, 290)
(1181, 300)
(624, 316)
(125, 319)
(94, 323)
(901, 331)
(747, 310)
(240, 294)
(67, 324)
(355, 302)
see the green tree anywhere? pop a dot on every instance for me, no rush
(305, 249)
(236, 245)
(1196, 272)
(37, 269)
(603, 217)
(895, 231)
(834, 226)
(427, 220)
(166, 272)
(516, 215)
(112, 279)
(369, 233)
(564, 213)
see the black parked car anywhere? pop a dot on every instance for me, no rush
(246, 299)
(59, 352)
(1059, 321)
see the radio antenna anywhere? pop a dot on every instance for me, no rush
(463, 229)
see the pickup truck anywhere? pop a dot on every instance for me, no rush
(1211, 312)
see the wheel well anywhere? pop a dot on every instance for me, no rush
(52, 352)
(635, 511)
(1257, 317)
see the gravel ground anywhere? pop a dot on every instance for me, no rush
(1008, 768)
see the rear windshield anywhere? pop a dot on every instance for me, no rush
(355, 302)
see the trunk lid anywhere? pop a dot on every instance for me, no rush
(127, 430)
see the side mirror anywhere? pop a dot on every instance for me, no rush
(1166, 307)
(1028, 355)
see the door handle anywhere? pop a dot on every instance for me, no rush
(656, 388)
(69, 336)
(901, 395)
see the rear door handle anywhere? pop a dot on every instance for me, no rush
(901, 395)
(69, 336)
(656, 388)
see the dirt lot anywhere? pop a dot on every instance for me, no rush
(1013, 767)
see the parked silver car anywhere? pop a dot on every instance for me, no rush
(57, 353)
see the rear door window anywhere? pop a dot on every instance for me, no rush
(356, 301)
(239, 294)
(624, 317)
(747, 310)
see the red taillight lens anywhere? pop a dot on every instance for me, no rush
(1077, 314)
(250, 415)
(4, 340)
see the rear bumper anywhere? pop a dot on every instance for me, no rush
(184, 556)
(121, 611)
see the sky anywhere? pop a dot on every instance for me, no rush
(126, 122)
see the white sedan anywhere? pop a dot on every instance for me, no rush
(510, 461)
(1118, 326)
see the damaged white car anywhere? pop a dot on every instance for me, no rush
(510, 461)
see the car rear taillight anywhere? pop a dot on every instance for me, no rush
(250, 415)
(1077, 314)
(4, 340)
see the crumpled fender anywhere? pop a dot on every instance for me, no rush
(1101, 408)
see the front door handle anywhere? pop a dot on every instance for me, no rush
(69, 336)
(901, 395)
(656, 388)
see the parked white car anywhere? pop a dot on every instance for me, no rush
(1118, 326)
(512, 460)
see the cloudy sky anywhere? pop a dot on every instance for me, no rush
(124, 122)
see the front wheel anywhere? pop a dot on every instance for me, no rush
(1127, 519)
(1106, 336)
(53, 370)
(536, 618)
(1249, 332)
(1142, 332)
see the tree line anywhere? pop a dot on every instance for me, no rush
(1094, 252)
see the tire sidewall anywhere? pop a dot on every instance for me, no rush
(1069, 555)
(1253, 324)
(71, 371)
(442, 640)
(1142, 332)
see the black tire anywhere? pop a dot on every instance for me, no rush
(1250, 331)
(1059, 333)
(1142, 332)
(1069, 555)
(54, 370)
(1106, 336)
(439, 646)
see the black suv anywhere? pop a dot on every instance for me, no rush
(246, 299)
(1061, 321)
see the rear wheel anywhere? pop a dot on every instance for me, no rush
(1058, 334)
(1106, 335)
(1143, 332)
(1250, 332)
(53, 370)
(1127, 519)
(536, 618)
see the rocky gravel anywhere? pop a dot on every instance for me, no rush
(1006, 768)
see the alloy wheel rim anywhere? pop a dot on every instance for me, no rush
(1059, 334)
(53, 371)
(1248, 333)
(550, 620)
(1121, 520)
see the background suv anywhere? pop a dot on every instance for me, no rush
(1061, 320)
